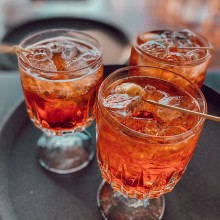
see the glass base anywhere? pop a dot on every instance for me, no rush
(114, 206)
(65, 154)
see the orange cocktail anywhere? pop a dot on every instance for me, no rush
(142, 149)
(61, 71)
(181, 51)
(61, 83)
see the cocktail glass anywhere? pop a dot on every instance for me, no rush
(142, 149)
(61, 71)
(181, 51)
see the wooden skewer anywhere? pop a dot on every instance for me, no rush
(191, 48)
(7, 48)
(185, 48)
(210, 117)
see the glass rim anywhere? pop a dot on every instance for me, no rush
(175, 63)
(143, 135)
(95, 62)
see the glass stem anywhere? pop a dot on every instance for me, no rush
(130, 202)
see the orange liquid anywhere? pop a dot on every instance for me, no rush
(192, 67)
(61, 106)
(140, 167)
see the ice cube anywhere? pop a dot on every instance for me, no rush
(166, 115)
(152, 127)
(175, 56)
(41, 58)
(46, 65)
(195, 54)
(81, 49)
(180, 35)
(151, 93)
(180, 39)
(40, 53)
(77, 56)
(122, 105)
(57, 46)
(147, 36)
(193, 39)
(69, 52)
(143, 125)
(166, 35)
(75, 65)
(155, 48)
(169, 116)
(172, 130)
(89, 58)
(180, 101)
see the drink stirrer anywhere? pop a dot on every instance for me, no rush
(206, 116)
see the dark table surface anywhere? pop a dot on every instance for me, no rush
(10, 91)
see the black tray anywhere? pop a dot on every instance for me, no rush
(27, 192)
(107, 34)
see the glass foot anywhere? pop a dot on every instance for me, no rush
(65, 154)
(114, 206)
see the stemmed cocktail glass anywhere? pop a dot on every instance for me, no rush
(142, 149)
(61, 71)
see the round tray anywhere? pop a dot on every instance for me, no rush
(29, 192)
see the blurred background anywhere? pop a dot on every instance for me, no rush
(115, 23)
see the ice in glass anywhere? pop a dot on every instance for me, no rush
(181, 51)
